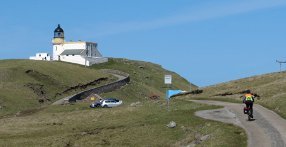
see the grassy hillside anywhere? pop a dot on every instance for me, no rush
(126, 125)
(144, 125)
(147, 79)
(270, 87)
(26, 84)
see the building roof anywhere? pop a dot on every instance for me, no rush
(59, 29)
(72, 51)
(77, 42)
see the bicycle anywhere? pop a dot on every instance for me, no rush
(249, 113)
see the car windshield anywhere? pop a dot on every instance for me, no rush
(112, 99)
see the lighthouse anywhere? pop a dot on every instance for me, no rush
(78, 52)
(58, 42)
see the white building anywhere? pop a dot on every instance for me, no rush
(81, 52)
(41, 56)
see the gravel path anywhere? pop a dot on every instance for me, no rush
(267, 130)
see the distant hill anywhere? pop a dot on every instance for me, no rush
(270, 87)
(147, 79)
(27, 84)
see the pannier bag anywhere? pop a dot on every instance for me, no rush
(245, 110)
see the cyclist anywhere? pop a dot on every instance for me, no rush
(248, 99)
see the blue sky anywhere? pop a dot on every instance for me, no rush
(207, 42)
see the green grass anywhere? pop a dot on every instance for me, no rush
(77, 125)
(52, 78)
(224, 99)
(271, 88)
(146, 79)
(55, 77)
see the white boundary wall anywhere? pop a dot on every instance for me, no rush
(88, 61)
(41, 56)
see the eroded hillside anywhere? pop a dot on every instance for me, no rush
(26, 84)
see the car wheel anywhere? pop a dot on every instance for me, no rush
(105, 106)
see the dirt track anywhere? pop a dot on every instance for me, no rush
(268, 129)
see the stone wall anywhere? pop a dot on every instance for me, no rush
(105, 88)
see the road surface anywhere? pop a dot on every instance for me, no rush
(267, 130)
(62, 101)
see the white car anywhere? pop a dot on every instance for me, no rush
(110, 102)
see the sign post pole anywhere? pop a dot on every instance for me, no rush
(168, 82)
(168, 102)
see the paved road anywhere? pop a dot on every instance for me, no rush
(267, 130)
(61, 101)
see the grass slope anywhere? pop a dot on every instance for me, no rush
(270, 87)
(143, 125)
(23, 83)
(147, 79)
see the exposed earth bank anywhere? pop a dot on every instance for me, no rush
(268, 128)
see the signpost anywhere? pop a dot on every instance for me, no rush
(168, 79)
(168, 82)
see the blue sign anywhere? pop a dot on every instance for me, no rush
(170, 93)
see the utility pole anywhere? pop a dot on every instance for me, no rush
(280, 62)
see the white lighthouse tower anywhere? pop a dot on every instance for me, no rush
(58, 42)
